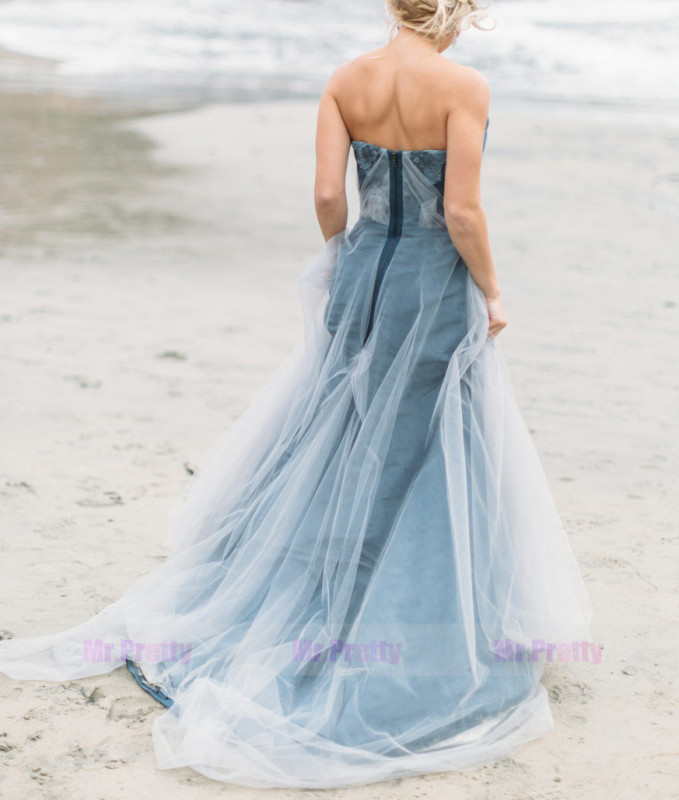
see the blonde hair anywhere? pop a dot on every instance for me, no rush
(436, 19)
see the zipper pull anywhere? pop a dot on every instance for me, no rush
(393, 159)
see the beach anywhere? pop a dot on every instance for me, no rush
(149, 265)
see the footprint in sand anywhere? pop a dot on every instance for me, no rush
(110, 498)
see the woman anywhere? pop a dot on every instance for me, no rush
(367, 566)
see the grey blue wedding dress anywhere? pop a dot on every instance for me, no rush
(367, 569)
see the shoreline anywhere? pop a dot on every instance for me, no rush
(37, 74)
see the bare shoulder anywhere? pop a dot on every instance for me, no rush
(465, 87)
(351, 73)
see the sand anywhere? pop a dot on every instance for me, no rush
(149, 268)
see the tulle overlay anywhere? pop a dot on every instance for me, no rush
(349, 554)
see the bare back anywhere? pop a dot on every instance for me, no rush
(398, 101)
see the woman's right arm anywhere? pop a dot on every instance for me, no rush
(465, 217)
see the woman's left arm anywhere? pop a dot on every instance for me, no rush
(332, 155)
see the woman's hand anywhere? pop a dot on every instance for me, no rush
(496, 315)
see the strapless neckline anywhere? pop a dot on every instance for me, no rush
(414, 150)
(390, 150)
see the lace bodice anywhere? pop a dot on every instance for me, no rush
(403, 187)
